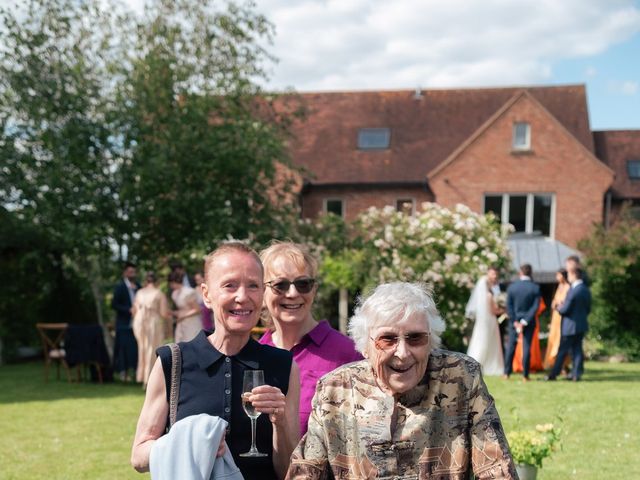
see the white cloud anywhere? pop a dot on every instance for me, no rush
(591, 71)
(629, 88)
(359, 44)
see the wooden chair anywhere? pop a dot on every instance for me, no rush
(52, 336)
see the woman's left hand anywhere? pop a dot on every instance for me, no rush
(269, 400)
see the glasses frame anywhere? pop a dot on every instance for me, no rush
(411, 340)
(272, 284)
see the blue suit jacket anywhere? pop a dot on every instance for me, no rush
(575, 310)
(121, 303)
(523, 298)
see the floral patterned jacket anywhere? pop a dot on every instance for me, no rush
(446, 427)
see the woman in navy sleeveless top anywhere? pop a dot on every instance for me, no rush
(212, 373)
(211, 383)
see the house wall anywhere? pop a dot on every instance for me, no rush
(556, 163)
(357, 200)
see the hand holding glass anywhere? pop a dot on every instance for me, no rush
(252, 379)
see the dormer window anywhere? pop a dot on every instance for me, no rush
(521, 136)
(633, 169)
(374, 138)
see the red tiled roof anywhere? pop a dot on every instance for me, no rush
(615, 147)
(424, 131)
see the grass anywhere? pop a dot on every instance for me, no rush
(58, 430)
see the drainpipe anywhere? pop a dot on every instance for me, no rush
(607, 209)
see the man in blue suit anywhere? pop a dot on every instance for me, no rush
(574, 310)
(523, 299)
(125, 349)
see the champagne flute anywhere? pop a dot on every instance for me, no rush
(252, 379)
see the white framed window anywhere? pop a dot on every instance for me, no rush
(334, 205)
(521, 136)
(527, 212)
(407, 205)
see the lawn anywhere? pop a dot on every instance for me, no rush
(58, 430)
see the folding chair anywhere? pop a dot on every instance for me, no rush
(52, 336)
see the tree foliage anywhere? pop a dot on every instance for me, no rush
(55, 144)
(613, 263)
(126, 137)
(200, 148)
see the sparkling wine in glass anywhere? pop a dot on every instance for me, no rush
(252, 379)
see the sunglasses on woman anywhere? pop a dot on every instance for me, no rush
(303, 285)
(389, 342)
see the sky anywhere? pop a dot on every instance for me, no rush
(336, 45)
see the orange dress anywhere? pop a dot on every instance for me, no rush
(536, 354)
(553, 342)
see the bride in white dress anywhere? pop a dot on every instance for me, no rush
(485, 345)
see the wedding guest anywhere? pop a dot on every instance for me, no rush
(574, 310)
(485, 345)
(205, 312)
(535, 360)
(151, 325)
(187, 314)
(213, 368)
(572, 262)
(523, 300)
(187, 280)
(410, 410)
(290, 273)
(125, 349)
(553, 341)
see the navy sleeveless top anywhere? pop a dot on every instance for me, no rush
(211, 383)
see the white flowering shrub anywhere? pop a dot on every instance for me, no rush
(446, 249)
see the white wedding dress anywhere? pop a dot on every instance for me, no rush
(485, 345)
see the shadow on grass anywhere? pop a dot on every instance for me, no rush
(610, 375)
(25, 383)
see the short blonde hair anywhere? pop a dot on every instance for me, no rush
(228, 247)
(295, 252)
(393, 303)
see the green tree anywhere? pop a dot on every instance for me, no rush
(136, 137)
(613, 263)
(201, 144)
(55, 145)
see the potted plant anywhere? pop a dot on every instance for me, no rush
(530, 447)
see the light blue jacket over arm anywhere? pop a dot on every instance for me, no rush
(189, 450)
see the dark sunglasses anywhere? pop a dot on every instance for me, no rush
(390, 342)
(303, 285)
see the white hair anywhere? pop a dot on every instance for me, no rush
(391, 303)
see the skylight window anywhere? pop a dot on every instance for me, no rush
(373, 138)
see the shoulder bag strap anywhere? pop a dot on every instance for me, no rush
(176, 369)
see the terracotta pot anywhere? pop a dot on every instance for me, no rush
(526, 471)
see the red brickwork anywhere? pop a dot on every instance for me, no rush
(557, 163)
(358, 200)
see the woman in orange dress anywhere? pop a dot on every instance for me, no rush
(553, 341)
(536, 355)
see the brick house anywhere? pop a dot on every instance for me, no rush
(620, 150)
(526, 153)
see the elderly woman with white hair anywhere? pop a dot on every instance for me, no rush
(410, 409)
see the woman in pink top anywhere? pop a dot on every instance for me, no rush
(290, 276)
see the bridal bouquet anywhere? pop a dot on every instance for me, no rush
(501, 301)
